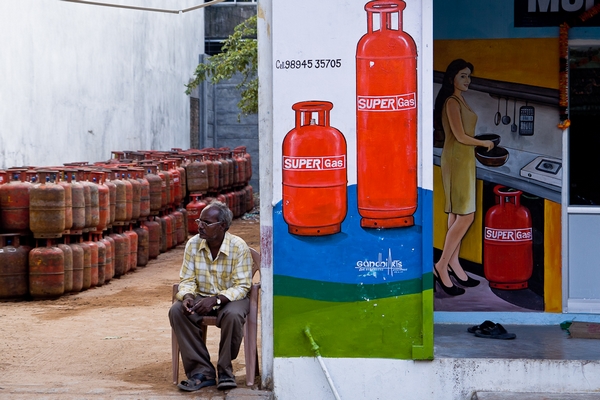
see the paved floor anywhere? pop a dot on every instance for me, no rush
(548, 342)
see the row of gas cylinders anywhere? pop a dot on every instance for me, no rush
(78, 262)
(78, 197)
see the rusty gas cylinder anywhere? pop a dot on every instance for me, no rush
(179, 164)
(150, 174)
(97, 177)
(177, 187)
(184, 213)
(314, 172)
(14, 283)
(93, 260)
(108, 263)
(121, 257)
(167, 189)
(94, 200)
(112, 195)
(46, 207)
(143, 245)
(386, 115)
(87, 198)
(46, 271)
(66, 185)
(153, 237)
(197, 174)
(77, 202)
(128, 196)
(238, 155)
(121, 197)
(101, 259)
(87, 264)
(163, 244)
(133, 248)
(248, 158)
(249, 198)
(14, 202)
(213, 172)
(144, 192)
(178, 228)
(136, 195)
(78, 262)
(68, 265)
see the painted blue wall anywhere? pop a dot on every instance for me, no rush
(472, 19)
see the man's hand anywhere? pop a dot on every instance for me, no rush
(204, 306)
(188, 303)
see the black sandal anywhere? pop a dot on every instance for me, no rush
(196, 382)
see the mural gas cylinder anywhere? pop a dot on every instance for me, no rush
(314, 172)
(508, 242)
(386, 105)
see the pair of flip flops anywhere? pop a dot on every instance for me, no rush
(491, 330)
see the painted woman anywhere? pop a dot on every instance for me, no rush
(458, 173)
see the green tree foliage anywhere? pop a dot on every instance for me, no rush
(240, 54)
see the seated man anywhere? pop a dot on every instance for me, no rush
(215, 279)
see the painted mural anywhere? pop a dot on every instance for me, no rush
(352, 218)
(497, 168)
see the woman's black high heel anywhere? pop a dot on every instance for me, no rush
(470, 282)
(449, 290)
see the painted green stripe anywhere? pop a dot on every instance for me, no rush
(344, 292)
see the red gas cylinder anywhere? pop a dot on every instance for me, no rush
(94, 219)
(93, 260)
(386, 132)
(46, 207)
(112, 196)
(14, 202)
(121, 254)
(197, 174)
(68, 257)
(46, 271)
(508, 242)
(144, 193)
(143, 243)
(65, 183)
(87, 264)
(314, 172)
(179, 232)
(121, 197)
(77, 265)
(249, 198)
(176, 178)
(136, 196)
(77, 202)
(153, 237)
(97, 177)
(128, 196)
(109, 266)
(164, 243)
(13, 268)
(133, 248)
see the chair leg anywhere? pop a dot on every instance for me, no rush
(250, 352)
(175, 357)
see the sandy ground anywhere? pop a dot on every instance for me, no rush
(105, 342)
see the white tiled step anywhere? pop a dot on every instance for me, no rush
(534, 396)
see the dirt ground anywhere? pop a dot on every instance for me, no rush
(107, 340)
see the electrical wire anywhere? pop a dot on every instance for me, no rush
(94, 3)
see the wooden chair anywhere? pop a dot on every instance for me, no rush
(250, 329)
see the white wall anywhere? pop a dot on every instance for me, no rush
(78, 81)
(440, 379)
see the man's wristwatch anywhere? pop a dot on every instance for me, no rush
(218, 302)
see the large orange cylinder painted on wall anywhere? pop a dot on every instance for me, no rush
(508, 242)
(386, 117)
(314, 172)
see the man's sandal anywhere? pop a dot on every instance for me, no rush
(196, 382)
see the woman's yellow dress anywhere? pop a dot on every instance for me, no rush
(458, 163)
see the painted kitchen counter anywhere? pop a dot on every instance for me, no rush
(509, 174)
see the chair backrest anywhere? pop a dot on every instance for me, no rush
(256, 262)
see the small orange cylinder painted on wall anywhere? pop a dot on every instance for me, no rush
(314, 172)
